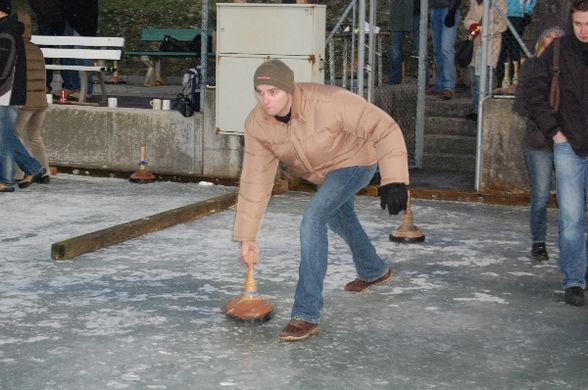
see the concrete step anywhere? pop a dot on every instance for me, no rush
(452, 144)
(457, 107)
(444, 125)
(449, 162)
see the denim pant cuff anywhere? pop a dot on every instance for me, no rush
(306, 318)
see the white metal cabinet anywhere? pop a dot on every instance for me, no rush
(247, 35)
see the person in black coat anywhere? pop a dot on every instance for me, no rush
(567, 126)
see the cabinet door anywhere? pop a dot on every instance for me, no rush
(235, 96)
(270, 29)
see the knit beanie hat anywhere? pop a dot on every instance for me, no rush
(550, 23)
(275, 73)
(5, 6)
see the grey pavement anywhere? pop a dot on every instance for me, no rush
(467, 309)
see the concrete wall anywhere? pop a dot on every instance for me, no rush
(504, 169)
(103, 138)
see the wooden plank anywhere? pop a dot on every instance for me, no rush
(50, 40)
(91, 242)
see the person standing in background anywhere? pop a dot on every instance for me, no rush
(445, 17)
(30, 116)
(81, 19)
(519, 14)
(404, 19)
(50, 21)
(472, 22)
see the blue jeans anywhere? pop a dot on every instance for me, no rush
(333, 206)
(397, 39)
(12, 150)
(572, 182)
(540, 165)
(444, 49)
(71, 79)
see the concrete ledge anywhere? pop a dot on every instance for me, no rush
(104, 138)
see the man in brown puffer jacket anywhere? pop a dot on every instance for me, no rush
(332, 138)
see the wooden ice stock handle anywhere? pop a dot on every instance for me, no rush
(250, 286)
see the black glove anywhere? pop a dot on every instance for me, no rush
(393, 195)
(526, 19)
(449, 20)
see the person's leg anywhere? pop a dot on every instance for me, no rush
(515, 48)
(396, 56)
(437, 16)
(339, 187)
(29, 165)
(448, 36)
(7, 164)
(22, 158)
(47, 29)
(571, 172)
(71, 79)
(502, 57)
(474, 85)
(540, 166)
(368, 264)
(32, 121)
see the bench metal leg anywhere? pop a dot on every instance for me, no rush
(149, 75)
(83, 86)
(103, 97)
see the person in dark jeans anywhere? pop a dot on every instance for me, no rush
(404, 20)
(567, 126)
(51, 21)
(81, 19)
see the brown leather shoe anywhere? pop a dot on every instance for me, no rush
(447, 94)
(359, 285)
(298, 329)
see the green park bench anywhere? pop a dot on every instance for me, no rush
(152, 58)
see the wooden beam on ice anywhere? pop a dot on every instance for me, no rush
(91, 242)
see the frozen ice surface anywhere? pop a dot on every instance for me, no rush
(467, 308)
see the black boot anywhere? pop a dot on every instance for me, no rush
(574, 296)
(539, 252)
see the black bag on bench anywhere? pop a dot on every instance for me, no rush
(170, 43)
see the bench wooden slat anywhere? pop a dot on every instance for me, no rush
(157, 34)
(80, 68)
(88, 54)
(163, 53)
(50, 40)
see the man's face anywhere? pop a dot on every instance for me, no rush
(580, 24)
(273, 100)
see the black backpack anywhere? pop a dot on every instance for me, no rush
(188, 101)
(7, 74)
